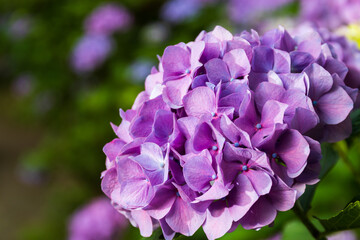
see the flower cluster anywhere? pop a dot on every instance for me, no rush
(95, 46)
(330, 13)
(97, 220)
(177, 11)
(226, 132)
(252, 11)
(107, 19)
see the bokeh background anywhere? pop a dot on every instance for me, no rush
(66, 67)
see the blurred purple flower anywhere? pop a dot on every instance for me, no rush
(177, 11)
(330, 13)
(23, 85)
(20, 28)
(345, 235)
(97, 220)
(107, 19)
(90, 52)
(247, 12)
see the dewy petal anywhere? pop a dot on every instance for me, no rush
(282, 197)
(237, 62)
(168, 233)
(143, 220)
(217, 70)
(304, 120)
(272, 113)
(266, 91)
(163, 124)
(199, 102)
(110, 182)
(136, 193)
(175, 61)
(281, 61)
(263, 59)
(300, 60)
(162, 202)
(198, 173)
(216, 191)
(321, 81)
(260, 180)
(241, 197)
(112, 148)
(183, 218)
(203, 137)
(222, 34)
(262, 213)
(175, 90)
(334, 106)
(218, 220)
(141, 126)
(233, 133)
(293, 150)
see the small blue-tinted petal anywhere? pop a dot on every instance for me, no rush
(177, 194)
(187, 71)
(236, 144)
(258, 126)
(314, 103)
(232, 79)
(215, 148)
(244, 168)
(162, 165)
(213, 176)
(274, 155)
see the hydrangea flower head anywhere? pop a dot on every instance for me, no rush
(227, 132)
(107, 19)
(96, 220)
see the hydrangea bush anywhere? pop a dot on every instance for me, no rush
(227, 131)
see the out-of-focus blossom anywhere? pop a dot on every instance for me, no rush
(226, 132)
(107, 19)
(97, 220)
(330, 13)
(177, 11)
(20, 28)
(139, 70)
(90, 52)
(345, 235)
(23, 85)
(156, 32)
(275, 237)
(246, 12)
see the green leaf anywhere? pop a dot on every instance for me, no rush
(329, 159)
(347, 218)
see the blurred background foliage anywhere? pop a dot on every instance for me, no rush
(54, 120)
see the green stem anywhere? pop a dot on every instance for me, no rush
(308, 224)
(344, 157)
